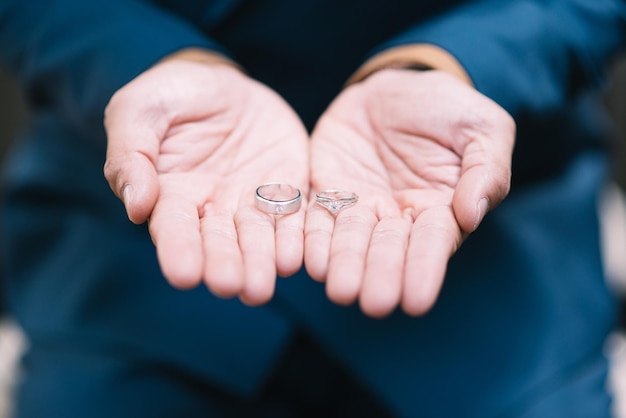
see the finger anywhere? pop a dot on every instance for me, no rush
(479, 190)
(384, 268)
(223, 265)
(289, 237)
(133, 141)
(175, 231)
(133, 179)
(255, 232)
(348, 250)
(318, 231)
(486, 175)
(434, 237)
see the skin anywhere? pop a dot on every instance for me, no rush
(190, 140)
(188, 143)
(428, 156)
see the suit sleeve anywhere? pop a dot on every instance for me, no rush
(71, 55)
(527, 55)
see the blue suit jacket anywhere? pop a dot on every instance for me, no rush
(524, 311)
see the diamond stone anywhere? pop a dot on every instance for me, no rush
(334, 206)
(335, 200)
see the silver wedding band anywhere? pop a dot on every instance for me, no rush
(335, 200)
(278, 198)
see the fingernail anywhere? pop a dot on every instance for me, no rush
(483, 207)
(127, 194)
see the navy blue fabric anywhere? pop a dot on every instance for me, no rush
(528, 55)
(519, 327)
(104, 384)
(520, 292)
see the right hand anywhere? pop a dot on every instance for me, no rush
(428, 155)
(188, 143)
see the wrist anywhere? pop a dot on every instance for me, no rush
(418, 57)
(202, 56)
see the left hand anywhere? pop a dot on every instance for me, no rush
(428, 156)
(188, 143)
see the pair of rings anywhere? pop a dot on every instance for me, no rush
(283, 199)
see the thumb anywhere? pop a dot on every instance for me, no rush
(478, 191)
(133, 179)
(133, 143)
(485, 177)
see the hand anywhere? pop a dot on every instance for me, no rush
(428, 156)
(188, 143)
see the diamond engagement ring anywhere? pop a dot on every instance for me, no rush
(278, 198)
(336, 200)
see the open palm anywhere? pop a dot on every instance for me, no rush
(428, 156)
(188, 144)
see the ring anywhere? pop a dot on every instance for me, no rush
(336, 200)
(278, 198)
